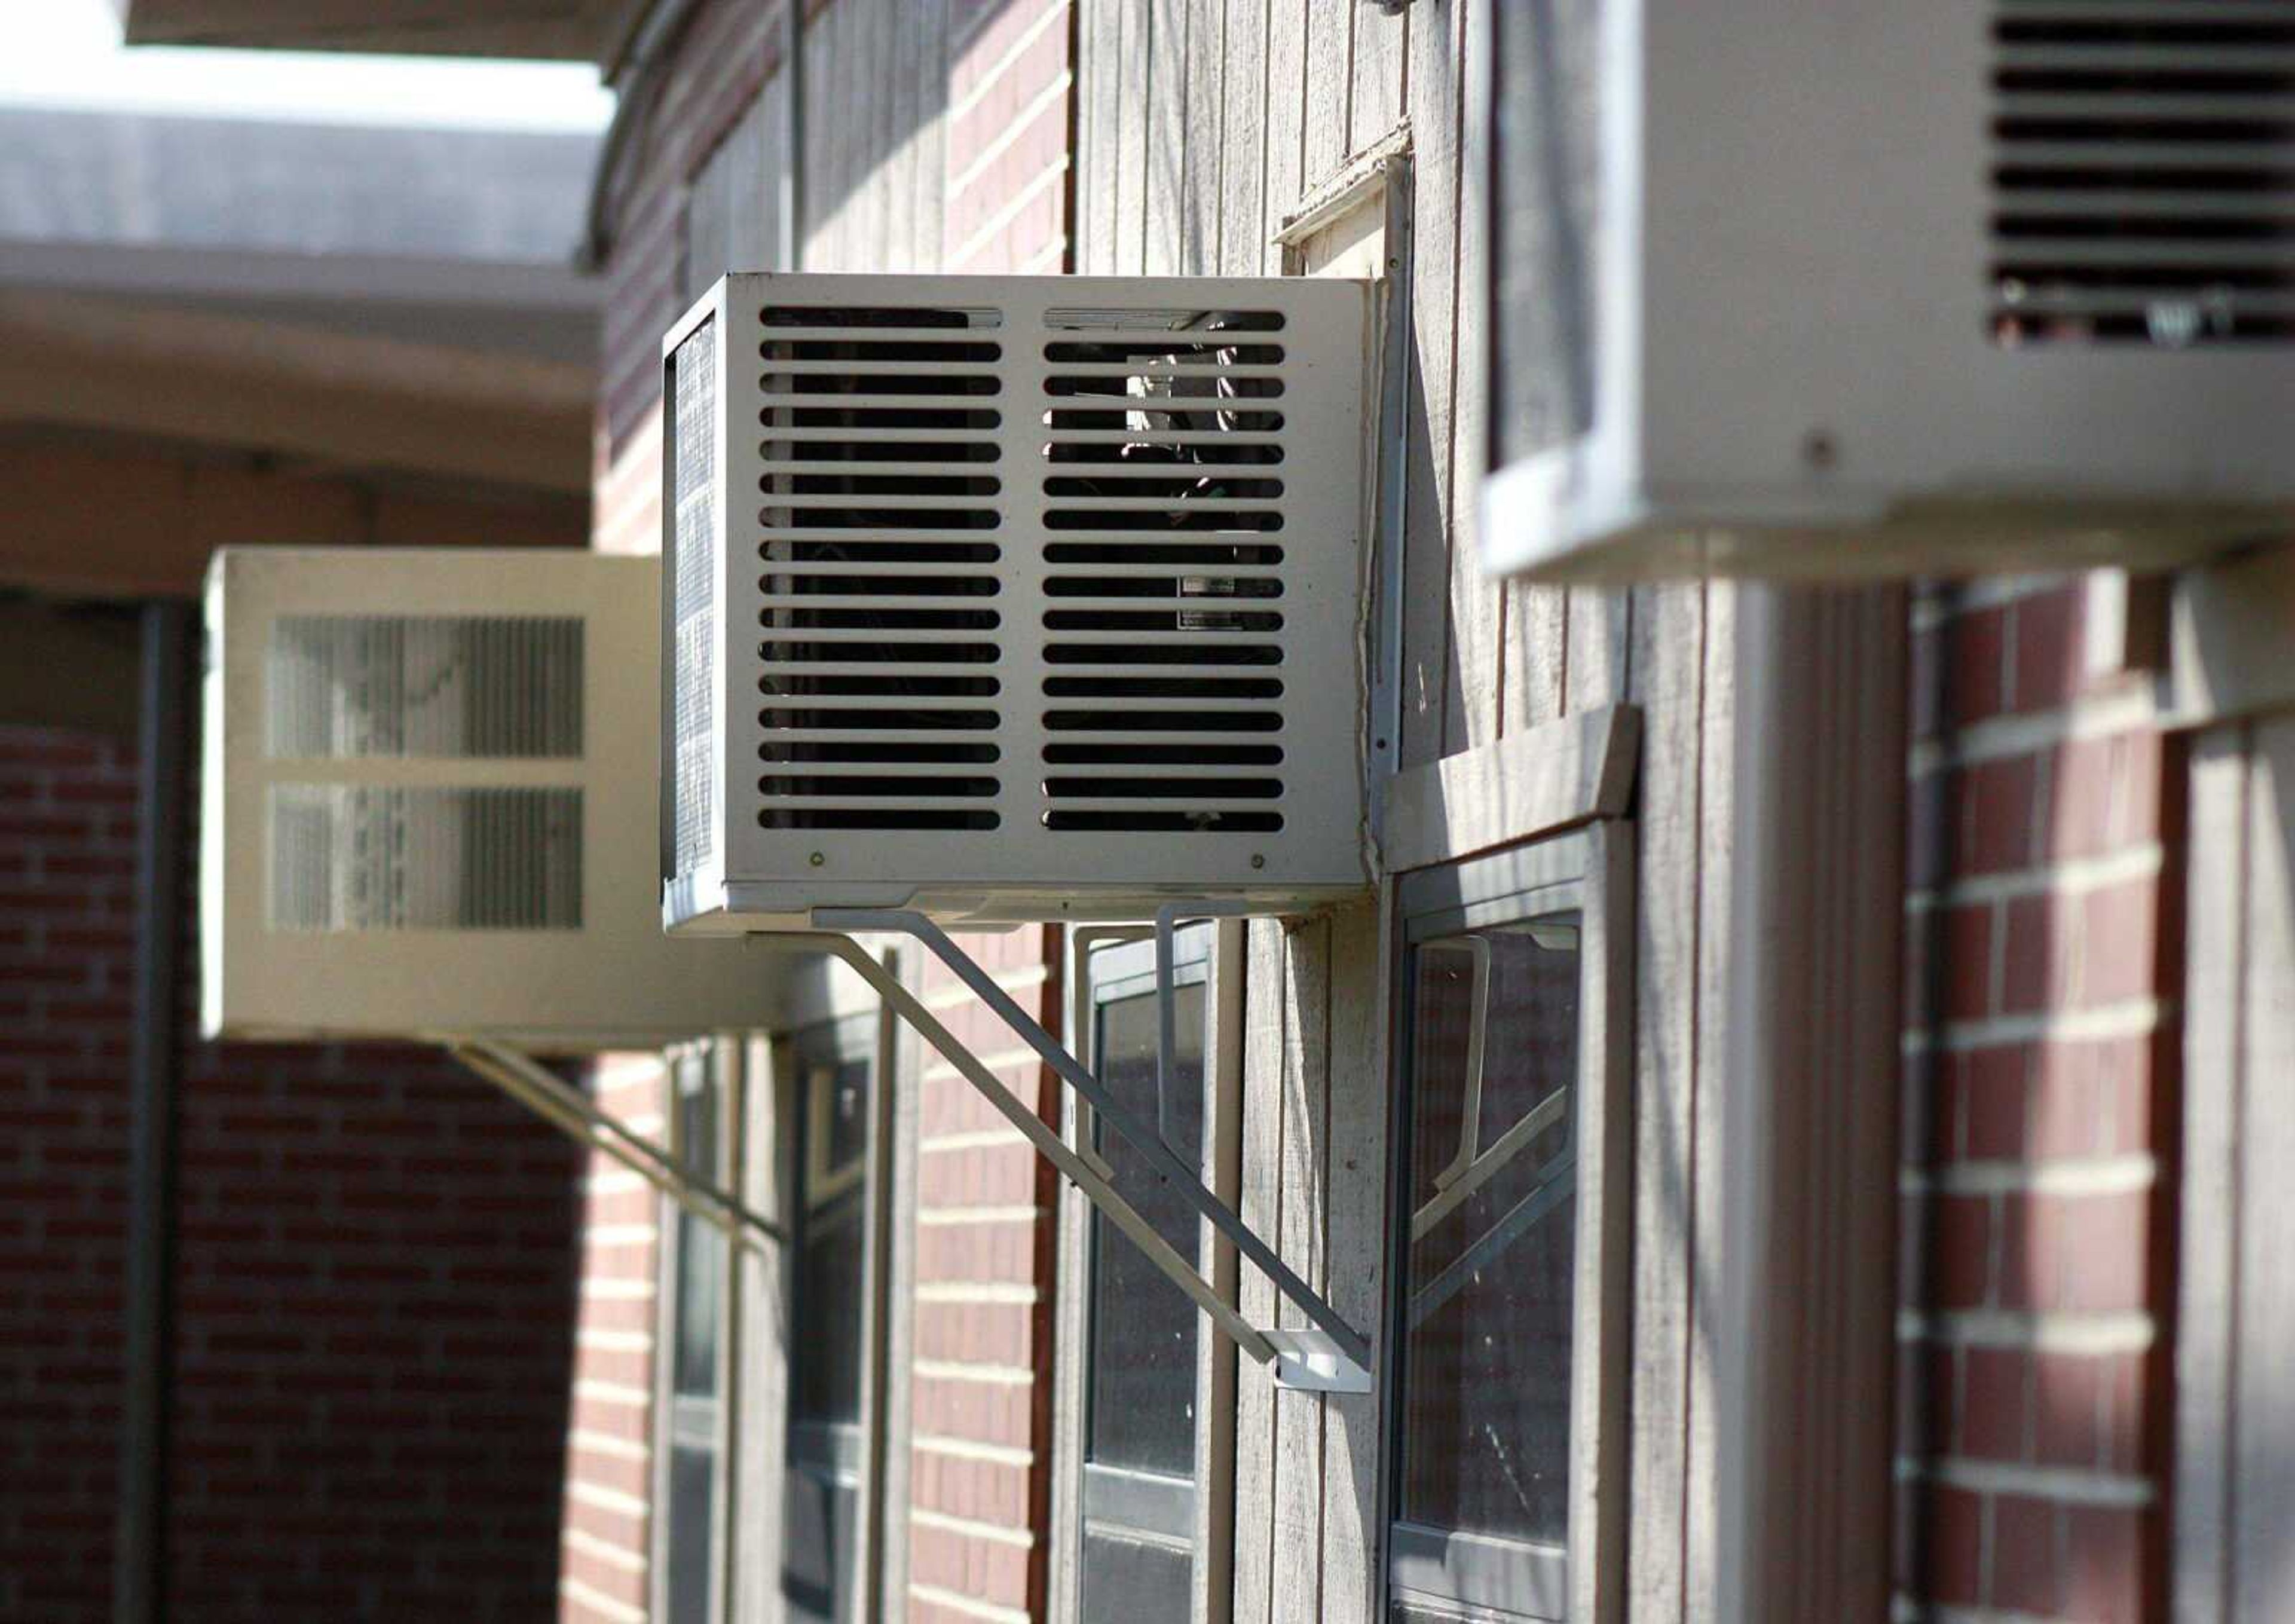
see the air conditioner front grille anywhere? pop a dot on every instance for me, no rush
(880, 568)
(371, 858)
(342, 687)
(2143, 174)
(1165, 539)
(693, 530)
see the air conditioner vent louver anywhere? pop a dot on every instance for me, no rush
(2144, 172)
(690, 452)
(880, 699)
(1055, 585)
(346, 858)
(349, 686)
(1164, 556)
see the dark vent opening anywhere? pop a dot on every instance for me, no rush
(860, 751)
(1161, 453)
(1206, 821)
(874, 469)
(1164, 722)
(874, 818)
(1126, 755)
(2143, 174)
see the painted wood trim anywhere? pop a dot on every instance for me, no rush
(2207, 1263)
(1303, 1158)
(881, 1244)
(1355, 1246)
(1264, 1016)
(903, 1061)
(2263, 1401)
(1793, 1280)
(2228, 640)
(1071, 1299)
(1546, 778)
(760, 1418)
(1603, 1294)
(1667, 672)
(1214, 1597)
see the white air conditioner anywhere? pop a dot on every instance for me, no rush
(429, 803)
(1789, 286)
(1013, 597)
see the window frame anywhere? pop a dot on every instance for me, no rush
(1589, 869)
(1106, 965)
(718, 1063)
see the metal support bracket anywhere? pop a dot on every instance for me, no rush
(573, 1114)
(1332, 1357)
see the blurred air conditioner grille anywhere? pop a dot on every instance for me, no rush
(1163, 552)
(692, 452)
(2143, 173)
(360, 858)
(877, 548)
(349, 686)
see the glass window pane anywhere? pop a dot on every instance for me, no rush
(825, 1380)
(1142, 1404)
(1131, 1581)
(700, 1247)
(692, 1477)
(1487, 1346)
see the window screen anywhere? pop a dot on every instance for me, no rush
(1483, 1489)
(1140, 1399)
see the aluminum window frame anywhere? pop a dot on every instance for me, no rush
(1458, 1573)
(1108, 965)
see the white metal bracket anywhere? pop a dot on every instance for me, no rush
(573, 1114)
(1332, 1357)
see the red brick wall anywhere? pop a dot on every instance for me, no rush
(374, 1275)
(980, 1490)
(2040, 1066)
(608, 1556)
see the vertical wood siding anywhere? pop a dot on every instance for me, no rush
(1201, 126)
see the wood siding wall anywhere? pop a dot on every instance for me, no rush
(1201, 126)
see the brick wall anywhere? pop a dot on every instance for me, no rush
(606, 1561)
(981, 1387)
(374, 1272)
(2041, 1103)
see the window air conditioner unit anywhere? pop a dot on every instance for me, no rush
(429, 802)
(1805, 288)
(1004, 599)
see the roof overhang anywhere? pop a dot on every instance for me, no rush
(561, 30)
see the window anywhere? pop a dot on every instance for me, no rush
(697, 1264)
(834, 1091)
(1141, 1367)
(1507, 1304)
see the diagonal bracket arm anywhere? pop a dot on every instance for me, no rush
(568, 1110)
(1332, 1357)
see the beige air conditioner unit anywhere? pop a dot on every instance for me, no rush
(1013, 597)
(1798, 288)
(429, 803)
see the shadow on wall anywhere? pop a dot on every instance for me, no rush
(375, 1283)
